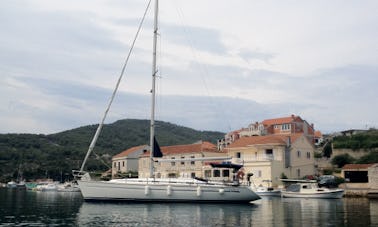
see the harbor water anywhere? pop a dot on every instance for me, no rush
(29, 208)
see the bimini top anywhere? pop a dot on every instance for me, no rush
(226, 165)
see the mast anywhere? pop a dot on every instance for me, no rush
(154, 72)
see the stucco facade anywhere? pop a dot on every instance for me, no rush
(173, 167)
(128, 160)
(268, 157)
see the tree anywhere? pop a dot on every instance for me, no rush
(372, 157)
(327, 150)
(342, 159)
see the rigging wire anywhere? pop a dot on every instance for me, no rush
(203, 68)
(94, 140)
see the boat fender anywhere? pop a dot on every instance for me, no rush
(169, 190)
(146, 190)
(221, 191)
(199, 191)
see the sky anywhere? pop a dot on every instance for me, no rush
(221, 64)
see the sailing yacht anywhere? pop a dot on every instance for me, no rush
(153, 189)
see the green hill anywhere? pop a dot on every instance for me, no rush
(55, 155)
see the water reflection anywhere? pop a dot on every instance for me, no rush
(166, 214)
(27, 208)
(313, 212)
(23, 208)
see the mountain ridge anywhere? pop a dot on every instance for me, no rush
(55, 155)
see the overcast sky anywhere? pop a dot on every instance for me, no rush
(222, 64)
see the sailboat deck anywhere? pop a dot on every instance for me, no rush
(170, 181)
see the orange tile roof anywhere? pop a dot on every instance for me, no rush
(205, 146)
(129, 151)
(188, 148)
(318, 134)
(357, 166)
(280, 121)
(269, 139)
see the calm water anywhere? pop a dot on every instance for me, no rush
(27, 208)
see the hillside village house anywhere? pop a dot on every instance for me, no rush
(177, 168)
(277, 126)
(270, 156)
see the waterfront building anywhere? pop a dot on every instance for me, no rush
(272, 157)
(128, 160)
(180, 160)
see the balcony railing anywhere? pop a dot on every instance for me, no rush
(254, 158)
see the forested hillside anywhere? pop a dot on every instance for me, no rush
(366, 140)
(55, 155)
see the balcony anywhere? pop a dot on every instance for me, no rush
(254, 158)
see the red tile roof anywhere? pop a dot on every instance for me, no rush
(318, 134)
(269, 139)
(280, 121)
(357, 166)
(191, 148)
(129, 151)
(188, 148)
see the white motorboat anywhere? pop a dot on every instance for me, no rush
(68, 187)
(264, 190)
(267, 191)
(158, 189)
(50, 187)
(16, 185)
(310, 189)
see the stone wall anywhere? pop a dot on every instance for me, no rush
(355, 154)
(373, 177)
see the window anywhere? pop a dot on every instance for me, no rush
(193, 175)
(119, 166)
(299, 173)
(123, 163)
(238, 155)
(216, 173)
(182, 163)
(207, 173)
(308, 155)
(173, 163)
(115, 165)
(226, 173)
(299, 154)
(285, 127)
(269, 154)
(192, 162)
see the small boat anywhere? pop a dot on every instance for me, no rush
(264, 190)
(11, 184)
(16, 185)
(267, 191)
(46, 187)
(310, 189)
(68, 187)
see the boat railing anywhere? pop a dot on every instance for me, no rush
(178, 181)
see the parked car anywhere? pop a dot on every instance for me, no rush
(328, 181)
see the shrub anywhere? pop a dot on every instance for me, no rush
(341, 160)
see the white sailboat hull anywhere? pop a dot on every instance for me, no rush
(126, 190)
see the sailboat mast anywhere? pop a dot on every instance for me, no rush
(154, 72)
